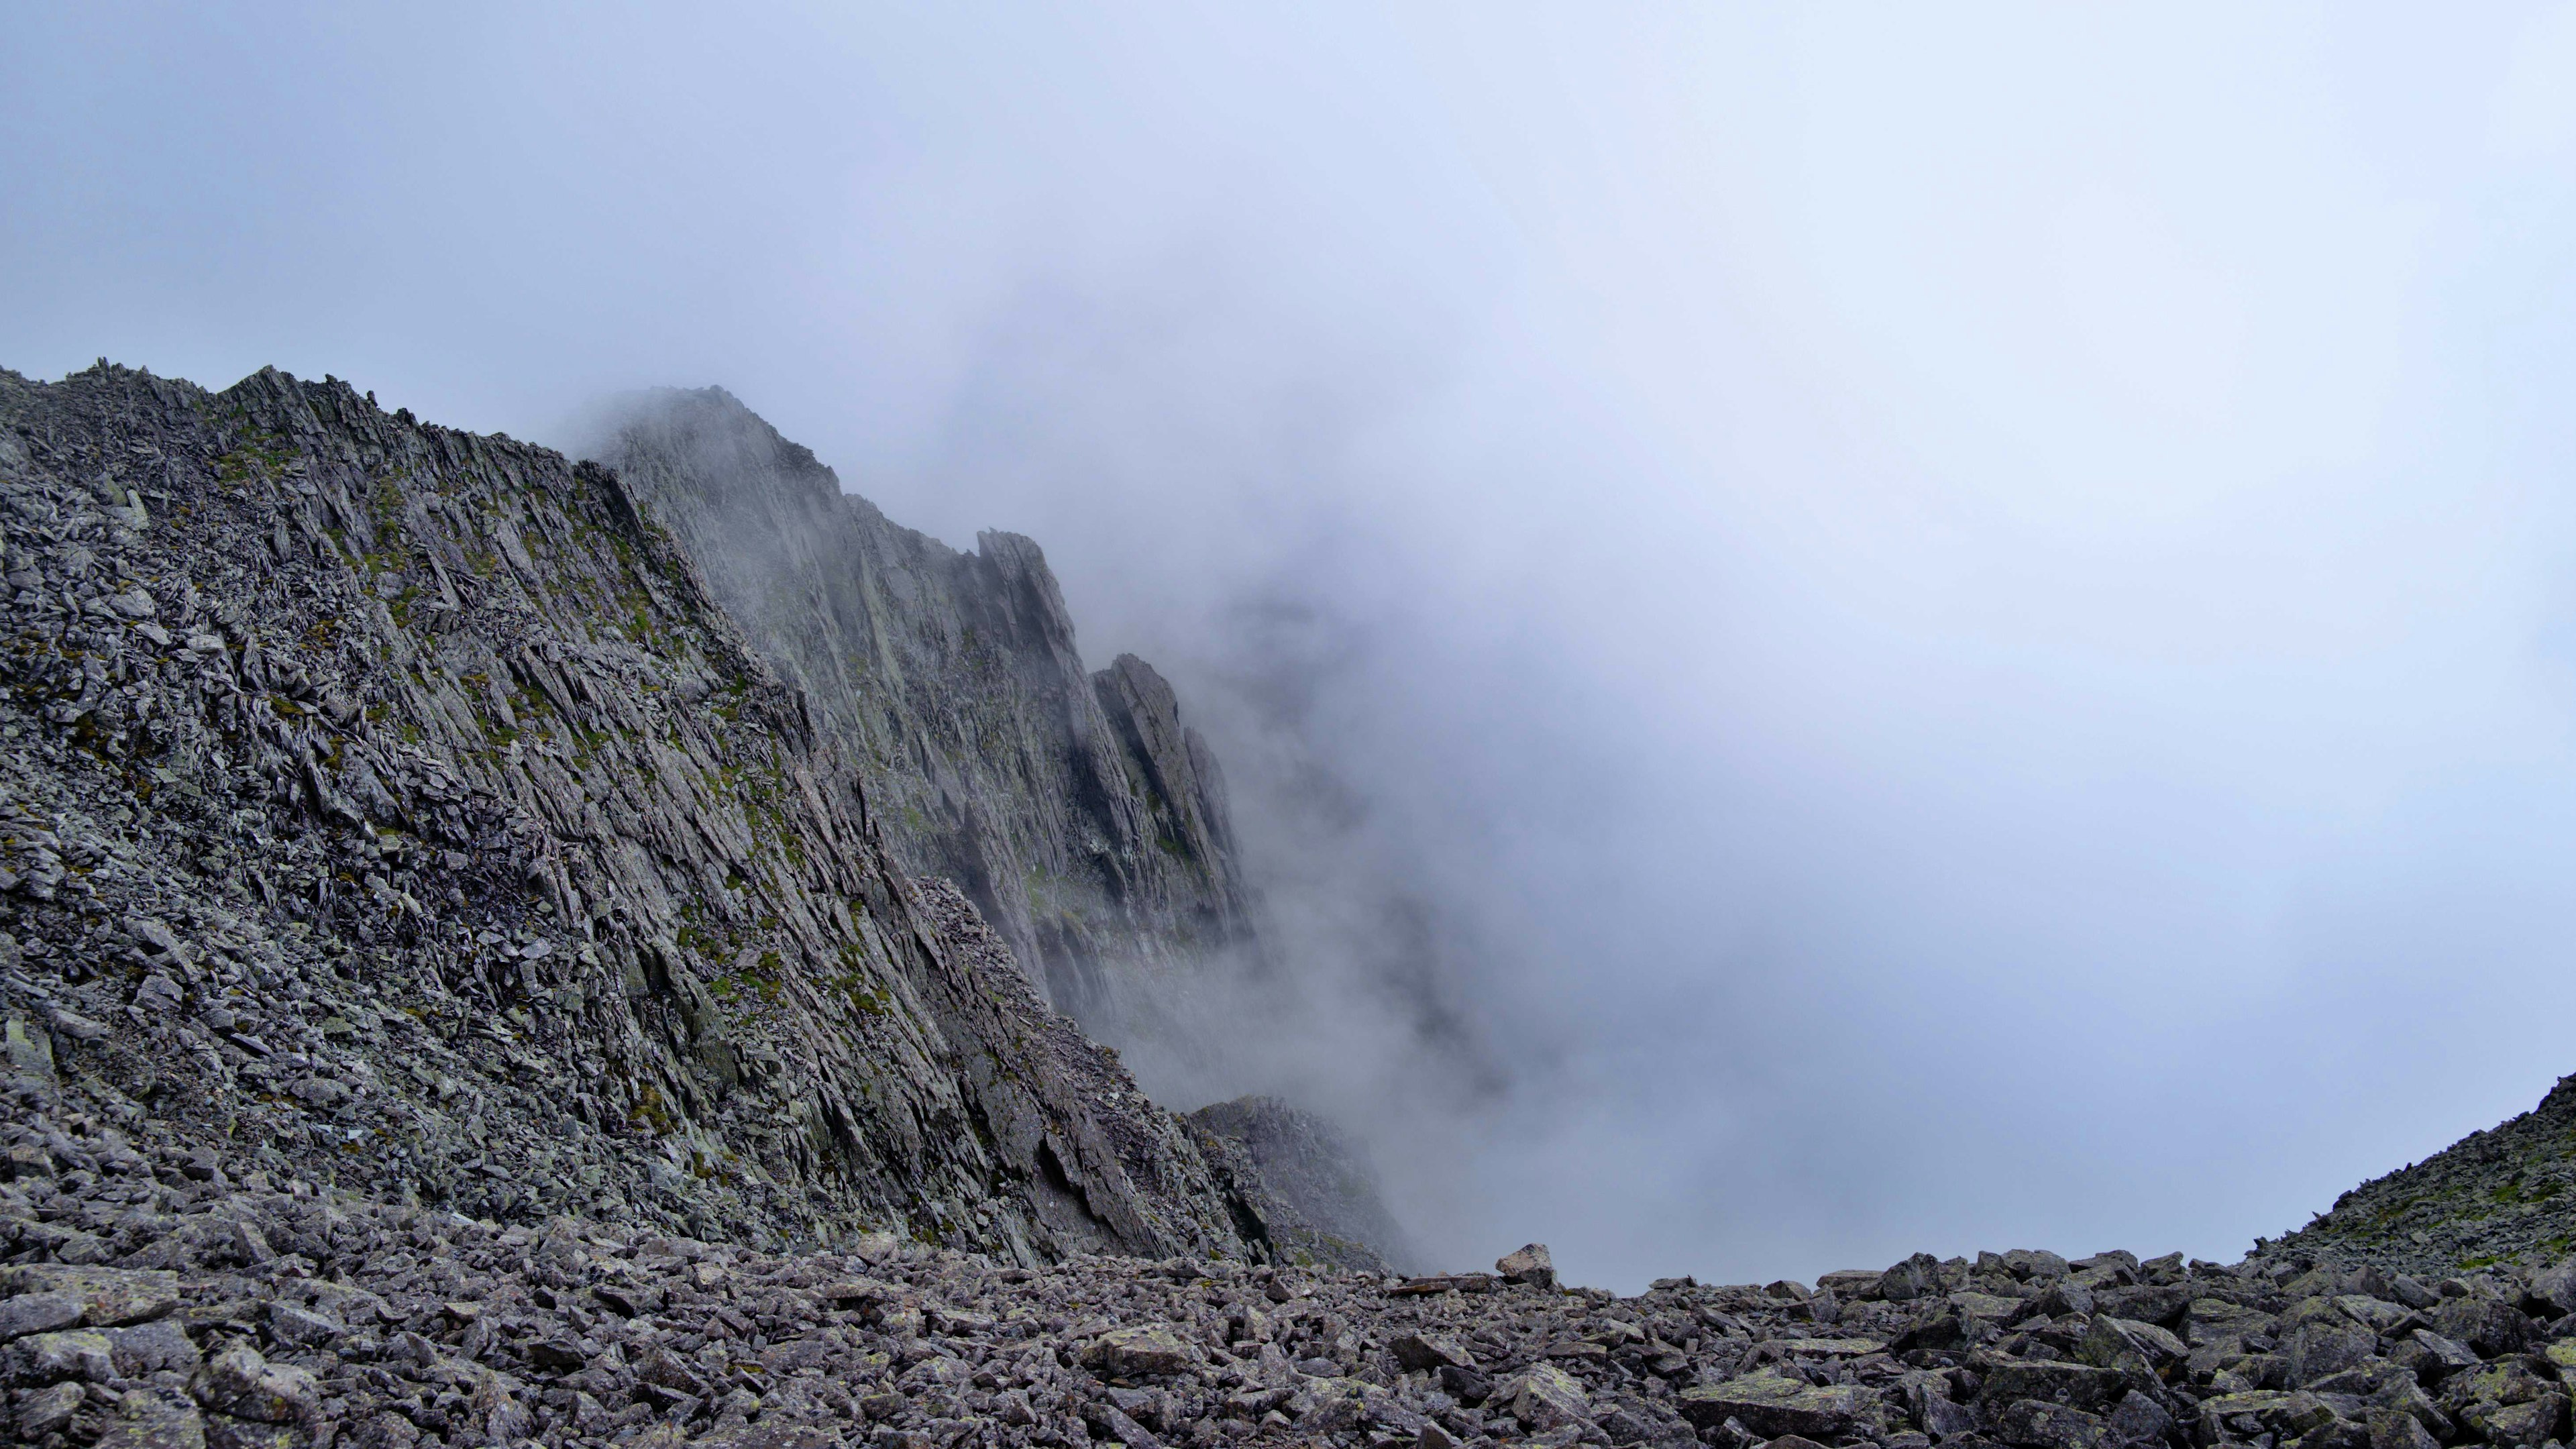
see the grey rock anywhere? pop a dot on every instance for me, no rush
(1146, 1351)
(239, 1382)
(2319, 1349)
(2078, 1385)
(2037, 1424)
(1546, 1397)
(2392, 1429)
(106, 1296)
(2485, 1325)
(1421, 1352)
(1771, 1405)
(1317, 1199)
(2142, 1351)
(415, 754)
(301, 1326)
(1088, 784)
(37, 1313)
(77, 1353)
(150, 1348)
(145, 1419)
(1529, 1264)
(2139, 1419)
(46, 1410)
(1916, 1277)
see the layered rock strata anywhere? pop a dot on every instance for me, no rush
(1329, 1209)
(1082, 816)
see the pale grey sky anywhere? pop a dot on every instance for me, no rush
(1958, 619)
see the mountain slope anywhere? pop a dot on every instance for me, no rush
(392, 806)
(2506, 1194)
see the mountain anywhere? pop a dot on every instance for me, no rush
(393, 807)
(455, 991)
(1086, 821)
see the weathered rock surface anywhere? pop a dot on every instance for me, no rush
(1075, 809)
(390, 807)
(1326, 1207)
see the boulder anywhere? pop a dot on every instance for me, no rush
(1547, 1397)
(2319, 1349)
(161, 1346)
(77, 1353)
(2438, 1355)
(48, 1409)
(2526, 1425)
(37, 1313)
(1773, 1404)
(2139, 1419)
(2034, 1424)
(1530, 1264)
(2394, 1429)
(2079, 1385)
(108, 1296)
(1427, 1352)
(2484, 1324)
(1917, 1277)
(143, 1419)
(2142, 1351)
(238, 1382)
(1149, 1351)
(2285, 1416)
(2553, 1290)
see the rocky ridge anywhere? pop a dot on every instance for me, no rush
(1086, 821)
(389, 807)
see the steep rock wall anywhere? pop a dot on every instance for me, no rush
(1084, 819)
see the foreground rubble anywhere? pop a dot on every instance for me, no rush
(153, 1298)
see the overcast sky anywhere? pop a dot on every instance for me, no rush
(1960, 618)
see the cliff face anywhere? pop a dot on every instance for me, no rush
(1327, 1208)
(1082, 817)
(392, 806)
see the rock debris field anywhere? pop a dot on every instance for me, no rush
(152, 1300)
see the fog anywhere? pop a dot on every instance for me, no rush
(1836, 630)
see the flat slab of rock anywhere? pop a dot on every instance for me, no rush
(1827, 1347)
(1772, 1404)
(107, 1296)
(1152, 1351)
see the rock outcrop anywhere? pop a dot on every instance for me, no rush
(1077, 811)
(389, 807)
(1327, 1208)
